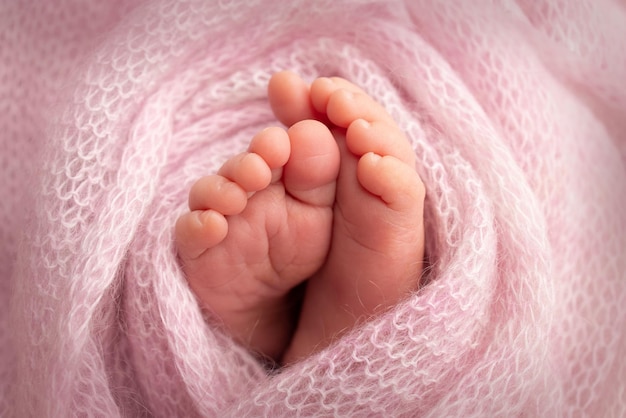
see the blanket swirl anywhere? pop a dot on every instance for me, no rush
(515, 110)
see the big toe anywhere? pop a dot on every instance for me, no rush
(310, 174)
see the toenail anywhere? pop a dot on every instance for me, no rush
(350, 95)
(373, 157)
(202, 217)
(363, 123)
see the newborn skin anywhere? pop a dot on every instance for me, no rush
(334, 200)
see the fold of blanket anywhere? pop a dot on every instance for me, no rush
(515, 111)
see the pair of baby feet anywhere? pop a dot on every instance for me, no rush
(333, 203)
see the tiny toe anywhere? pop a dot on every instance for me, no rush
(396, 183)
(289, 98)
(248, 170)
(217, 193)
(345, 106)
(380, 138)
(344, 102)
(272, 144)
(323, 87)
(198, 231)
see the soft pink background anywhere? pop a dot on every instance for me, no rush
(516, 111)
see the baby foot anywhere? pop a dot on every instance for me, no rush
(259, 228)
(375, 255)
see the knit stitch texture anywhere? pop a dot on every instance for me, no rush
(516, 111)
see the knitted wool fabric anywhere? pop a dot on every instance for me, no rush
(515, 110)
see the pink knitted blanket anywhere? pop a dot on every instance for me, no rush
(516, 111)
